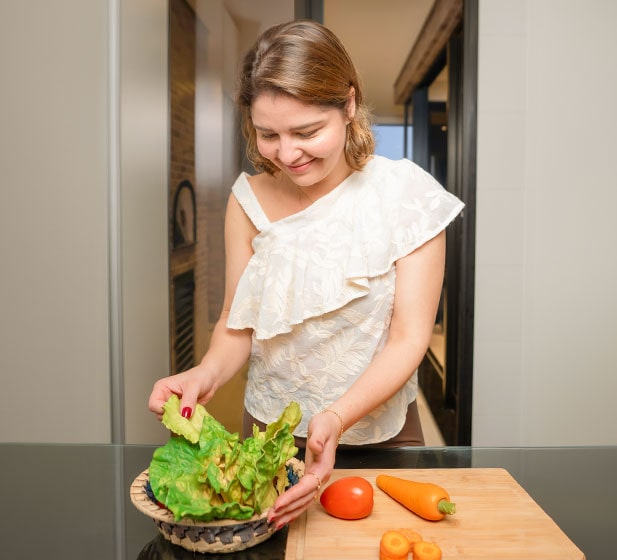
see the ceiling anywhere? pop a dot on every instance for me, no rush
(378, 34)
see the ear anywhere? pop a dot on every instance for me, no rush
(351, 104)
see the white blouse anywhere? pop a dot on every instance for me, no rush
(319, 290)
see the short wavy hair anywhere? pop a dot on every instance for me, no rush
(305, 60)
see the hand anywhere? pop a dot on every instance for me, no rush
(192, 386)
(324, 431)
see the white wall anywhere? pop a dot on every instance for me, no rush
(58, 133)
(144, 178)
(545, 329)
(54, 332)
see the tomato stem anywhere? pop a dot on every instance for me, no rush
(444, 506)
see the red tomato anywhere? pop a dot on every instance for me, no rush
(350, 497)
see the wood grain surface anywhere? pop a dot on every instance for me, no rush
(495, 519)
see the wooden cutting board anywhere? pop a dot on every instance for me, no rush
(495, 519)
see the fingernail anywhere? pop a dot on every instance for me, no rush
(187, 412)
(272, 514)
(281, 526)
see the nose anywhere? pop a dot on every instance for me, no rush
(288, 150)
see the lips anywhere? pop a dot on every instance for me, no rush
(301, 167)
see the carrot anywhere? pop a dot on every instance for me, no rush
(426, 551)
(393, 546)
(425, 499)
(411, 535)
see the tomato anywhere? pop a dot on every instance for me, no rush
(350, 497)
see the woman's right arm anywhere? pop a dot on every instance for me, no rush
(229, 348)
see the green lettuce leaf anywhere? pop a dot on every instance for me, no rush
(173, 420)
(206, 473)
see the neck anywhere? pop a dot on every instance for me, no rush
(303, 194)
(317, 190)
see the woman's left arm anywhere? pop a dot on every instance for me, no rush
(419, 279)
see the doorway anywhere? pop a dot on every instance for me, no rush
(444, 137)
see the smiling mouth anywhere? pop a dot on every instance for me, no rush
(300, 167)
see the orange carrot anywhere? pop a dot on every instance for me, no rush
(411, 535)
(425, 499)
(426, 551)
(393, 546)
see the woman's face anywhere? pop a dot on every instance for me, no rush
(306, 142)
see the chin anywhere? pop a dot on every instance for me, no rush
(313, 176)
(304, 181)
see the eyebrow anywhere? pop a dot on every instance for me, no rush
(295, 128)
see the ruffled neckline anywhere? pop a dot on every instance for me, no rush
(319, 259)
(336, 191)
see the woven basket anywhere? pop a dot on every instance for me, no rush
(220, 536)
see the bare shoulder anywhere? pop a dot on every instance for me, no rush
(237, 224)
(277, 196)
(262, 182)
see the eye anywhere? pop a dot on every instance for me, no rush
(267, 135)
(308, 134)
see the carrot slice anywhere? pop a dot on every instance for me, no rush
(426, 551)
(411, 535)
(393, 546)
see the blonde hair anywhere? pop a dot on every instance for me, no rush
(305, 60)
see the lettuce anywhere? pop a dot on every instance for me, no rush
(190, 428)
(206, 473)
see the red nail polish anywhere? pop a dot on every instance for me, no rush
(187, 412)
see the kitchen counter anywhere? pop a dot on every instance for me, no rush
(72, 501)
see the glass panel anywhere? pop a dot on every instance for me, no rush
(389, 141)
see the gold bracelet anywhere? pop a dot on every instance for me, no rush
(340, 420)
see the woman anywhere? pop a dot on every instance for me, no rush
(334, 263)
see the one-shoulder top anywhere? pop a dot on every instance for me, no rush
(318, 291)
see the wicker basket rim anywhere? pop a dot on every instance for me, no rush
(143, 503)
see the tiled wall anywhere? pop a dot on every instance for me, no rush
(544, 371)
(500, 211)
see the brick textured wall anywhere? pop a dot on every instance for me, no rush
(182, 57)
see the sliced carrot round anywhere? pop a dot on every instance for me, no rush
(426, 551)
(411, 535)
(394, 545)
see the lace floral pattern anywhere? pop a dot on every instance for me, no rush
(319, 289)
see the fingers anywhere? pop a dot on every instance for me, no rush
(319, 463)
(285, 517)
(315, 444)
(319, 456)
(292, 503)
(323, 433)
(187, 385)
(158, 398)
(188, 400)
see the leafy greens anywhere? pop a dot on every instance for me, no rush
(206, 473)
